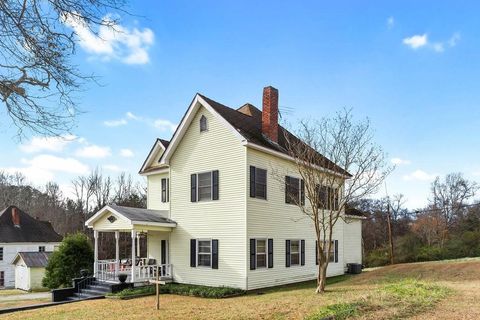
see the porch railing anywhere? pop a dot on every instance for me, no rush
(108, 270)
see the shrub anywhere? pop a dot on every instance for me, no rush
(183, 289)
(74, 254)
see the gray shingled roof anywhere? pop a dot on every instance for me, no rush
(143, 215)
(30, 230)
(34, 259)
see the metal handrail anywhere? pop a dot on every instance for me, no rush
(82, 284)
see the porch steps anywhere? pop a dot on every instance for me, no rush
(92, 291)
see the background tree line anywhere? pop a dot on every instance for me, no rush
(447, 228)
(68, 214)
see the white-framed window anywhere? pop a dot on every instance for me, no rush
(204, 253)
(2, 279)
(294, 252)
(165, 190)
(328, 197)
(205, 186)
(332, 251)
(203, 124)
(41, 249)
(294, 190)
(1, 253)
(261, 255)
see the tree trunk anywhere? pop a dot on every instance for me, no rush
(322, 277)
(390, 235)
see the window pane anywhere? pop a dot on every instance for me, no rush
(261, 246)
(204, 260)
(261, 260)
(294, 258)
(295, 246)
(205, 186)
(294, 190)
(204, 246)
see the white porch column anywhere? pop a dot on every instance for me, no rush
(138, 245)
(134, 236)
(117, 252)
(95, 264)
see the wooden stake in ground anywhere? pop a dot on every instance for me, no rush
(157, 283)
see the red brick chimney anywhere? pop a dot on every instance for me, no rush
(270, 113)
(15, 217)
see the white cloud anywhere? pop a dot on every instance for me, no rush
(419, 175)
(399, 161)
(42, 168)
(390, 22)
(115, 123)
(55, 144)
(132, 116)
(416, 41)
(93, 151)
(126, 153)
(113, 41)
(419, 41)
(164, 125)
(112, 167)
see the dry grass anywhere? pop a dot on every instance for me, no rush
(18, 303)
(9, 292)
(369, 293)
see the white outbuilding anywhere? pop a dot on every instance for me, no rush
(30, 269)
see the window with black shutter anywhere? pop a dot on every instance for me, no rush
(294, 191)
(258, 183)
(328, 198)
(205, 186)
(261, 253)
(165, 193)
(295, 252)
(1, 253)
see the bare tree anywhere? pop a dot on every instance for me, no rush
(339, 163)
(38, 81)
(448, 200)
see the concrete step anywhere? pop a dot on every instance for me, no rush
(103, 289)
(91, 292)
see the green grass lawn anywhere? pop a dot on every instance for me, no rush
(422, 291)
(9, 292)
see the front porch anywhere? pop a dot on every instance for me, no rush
(141, 264)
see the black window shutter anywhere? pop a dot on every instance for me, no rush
(253, 264)
(287, 253)
(336, 250)
(193, 187)
(302, 252)
(270, 253)
(215, 185)
(316, 252)
(287, 189)
(302, 192)
(193, 253)
(168, 189)
(163, 253)
(214, 254)
(163, 190)
(252, 181)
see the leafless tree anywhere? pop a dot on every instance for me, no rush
(448, 200)
(339, 163)
(38, 80)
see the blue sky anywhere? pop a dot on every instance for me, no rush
(411, 67)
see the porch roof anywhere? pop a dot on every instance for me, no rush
(129, 218)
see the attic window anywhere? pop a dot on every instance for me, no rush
(203, 124)
(112, 219)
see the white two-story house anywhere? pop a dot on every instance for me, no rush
(216, 214)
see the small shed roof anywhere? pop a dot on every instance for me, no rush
(33, 259)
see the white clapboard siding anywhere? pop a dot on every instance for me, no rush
(273, 218)
(353, 241)
(223, 219)
(10, 251)
(154, 196)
